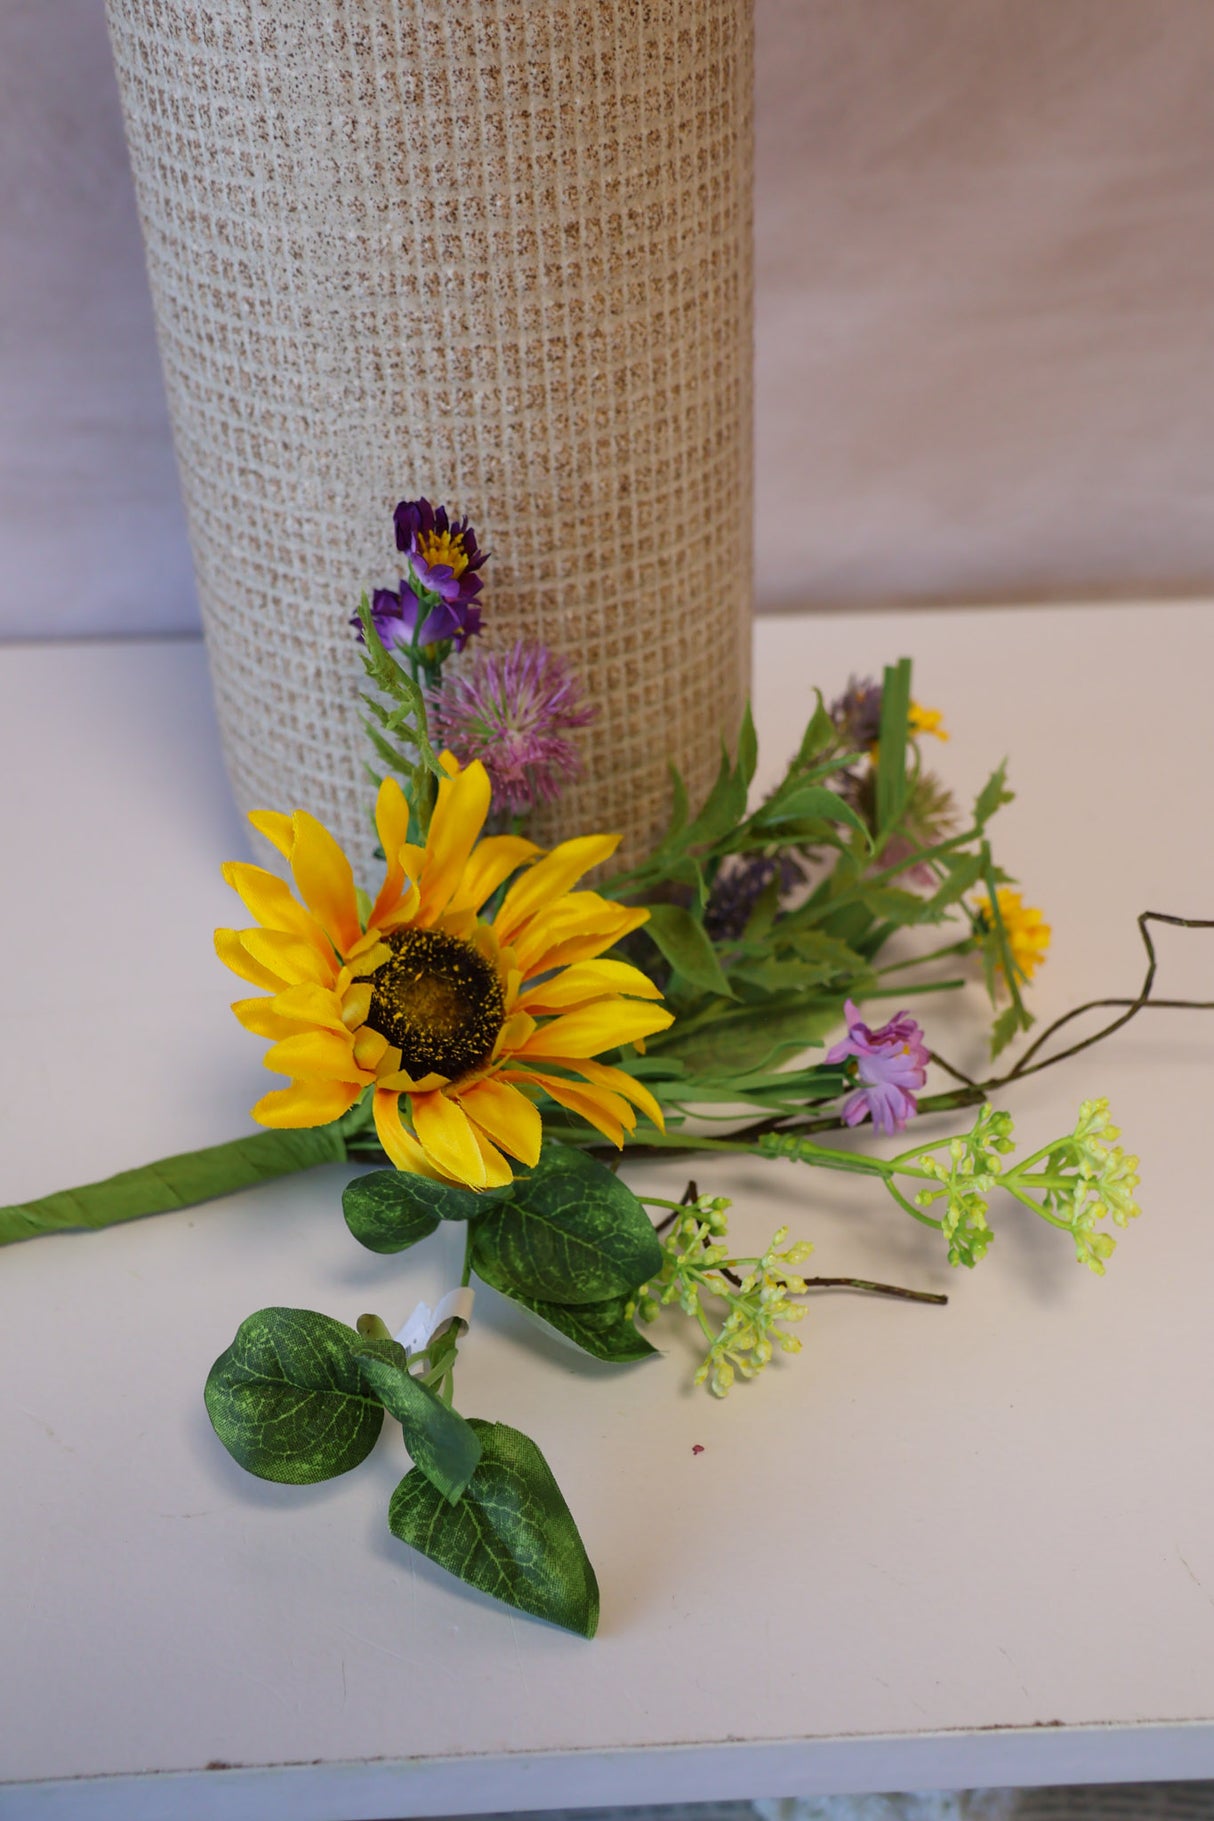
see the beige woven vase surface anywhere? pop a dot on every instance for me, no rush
(499, 255)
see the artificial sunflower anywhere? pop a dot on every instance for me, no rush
(457, 1021)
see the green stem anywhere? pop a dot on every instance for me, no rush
(1006, 1182)
(181, 1181)
(926, 1220)
(937, 954)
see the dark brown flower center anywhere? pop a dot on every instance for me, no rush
(439, 1001)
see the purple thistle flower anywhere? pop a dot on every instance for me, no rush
(891, 1063)
(395, 616)
(442, 554)
(510, 712)
(857, 712)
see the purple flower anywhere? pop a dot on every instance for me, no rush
(890, 1063)
(395, 616)
(737, 888)
(511, 712)
(441, 553)
(857, 712)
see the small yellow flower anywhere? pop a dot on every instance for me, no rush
(460, 1018)
(1028, 934)
(926, 720)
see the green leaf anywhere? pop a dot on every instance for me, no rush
(1012, 1019)
(964, 872)
(818, 736)
(571, 1232)
(176, 1182)
(893, 905)
(602, 1329)
(724, 808)
(288, 1401)
(747, 755)
(687, 946)
(893, 734)
(754, 1036)
(511, 1535)
(441, 1443)
(809, 802)
(993, 795)
(811, 958)
(671, 842)
(390, 1210)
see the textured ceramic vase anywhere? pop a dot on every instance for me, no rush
(499, 255)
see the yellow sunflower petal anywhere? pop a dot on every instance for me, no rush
(513, 1034)
(315, 1056)
(492, 861)
(270, 900)
(576, 928)
(507, 1116)
(551, 878)
(400, 1145)
(392, 826)
(325, 880)
(605, 1076)
(447, 1138)
(585, 948)
(355, 1004)
(233, 953)
(259, 1016)
(290, 959)
(279, 830)
(602, 1026)
(459, 815)
(588, 1103)
(310, 1004)
(400, 1081)
(370, 1048)
(497, 1168)
(306, 1103)
(585, 981)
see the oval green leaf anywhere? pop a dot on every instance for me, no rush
(511, 1535)
(287, 1399)
(571, 1233)
(390, 1210)
(604, 1330)
(441, 1443)
(687, 946)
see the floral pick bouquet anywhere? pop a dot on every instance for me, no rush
(490, 1033)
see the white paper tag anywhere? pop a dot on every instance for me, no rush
(425, 1322)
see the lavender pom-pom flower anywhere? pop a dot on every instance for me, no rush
(512, 712)
(891, 1063)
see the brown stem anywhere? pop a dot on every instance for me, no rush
(862, 1283)
(972, 1093)
(690, 1195)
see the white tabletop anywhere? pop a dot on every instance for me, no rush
(958, 1546)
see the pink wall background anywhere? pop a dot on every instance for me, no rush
(985, 308)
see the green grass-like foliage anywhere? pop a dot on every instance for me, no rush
(511, 1535)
